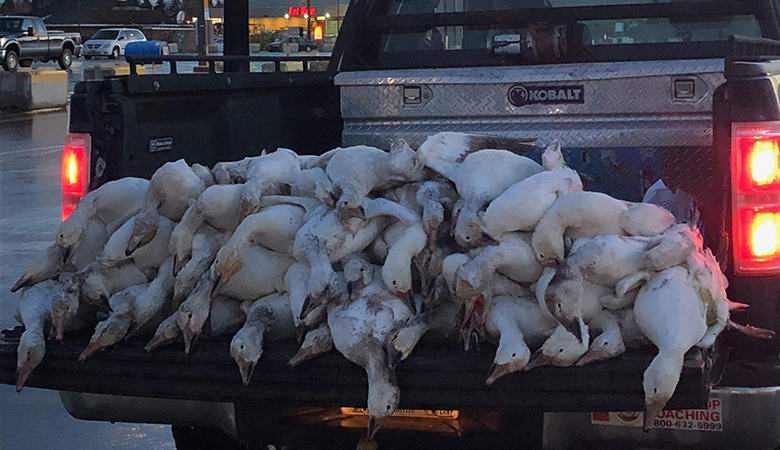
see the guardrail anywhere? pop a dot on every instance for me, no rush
(212, 61)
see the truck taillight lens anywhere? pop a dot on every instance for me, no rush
(74, 171)
(755, 170)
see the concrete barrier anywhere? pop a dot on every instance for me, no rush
(106, 71)
(33, 89)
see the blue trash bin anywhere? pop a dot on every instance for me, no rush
(146, 49)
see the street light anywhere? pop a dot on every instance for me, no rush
(327, 15)
(286, 16)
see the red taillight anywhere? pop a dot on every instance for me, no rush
(74, 171)
(755, 170)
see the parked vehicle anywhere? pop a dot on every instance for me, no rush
(26, 39)
(636, 94)
(111, 42)
(304, 44)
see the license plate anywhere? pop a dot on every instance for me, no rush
(710, 419)
(448, 414)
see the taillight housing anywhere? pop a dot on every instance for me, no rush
(755, 174)
(74, 171)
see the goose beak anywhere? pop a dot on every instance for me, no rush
(374, 424)
(132, 244)
(91, 349)
(309, 304)
(538, 359)
(497, 371)
(651, 411)
(406, 298)
(156, 342)
(303, 354)
(23, 281)
(189, 339)
(176, 267)
(247, 368)
(23, 372)
(591, 357)
(394, 356)
(573, 327)
(58, 322)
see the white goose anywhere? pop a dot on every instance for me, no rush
(112, 204)
(516, 323)
(356, 171)
(561, 349)
(35, 313)
(171, 190)
(225, 318)
(453, 155)
(619, 330)
(521, 207)
(670, 313)
(266, 175)
(204, 174)
(360, 329)
(116, 326)
(315, 343)
(253, 272)
(266, 318)
(218, 206)
(147, 258)
(205, 245)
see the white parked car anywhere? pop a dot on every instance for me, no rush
(111, 42)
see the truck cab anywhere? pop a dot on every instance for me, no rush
(642, 96)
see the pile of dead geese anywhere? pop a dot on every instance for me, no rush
(367, 250)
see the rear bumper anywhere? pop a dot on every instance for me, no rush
(750, 418)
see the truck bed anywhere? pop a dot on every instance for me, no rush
(436, 376)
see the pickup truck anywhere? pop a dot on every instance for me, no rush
(25, 39)
(640, 94)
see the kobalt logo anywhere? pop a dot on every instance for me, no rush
(520, 95)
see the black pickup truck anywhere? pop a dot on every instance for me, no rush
(644, 96)
(25, 39)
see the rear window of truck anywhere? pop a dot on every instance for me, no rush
(451, 33)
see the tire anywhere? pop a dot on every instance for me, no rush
(11, 61)
(26, 63)
(114, 53)
(203, 438)
(65, 59)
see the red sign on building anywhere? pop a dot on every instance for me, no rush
(300, 11)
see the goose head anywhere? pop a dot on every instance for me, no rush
(605, 346)
(512, 355)
(168, 331)
(548, 246)
(316, 342)
(65, 305)
(49, 266)
(562, 298)
(94, 289)
(246, 348)
(659, 382)
(384, 397)
(70, 231)
(358, 273)
(468, 229)
(403, 160)
(552, 157)
(401, 342)
(32, 348)
(191, 317)
(107, 333)
(227, 263)
(561, 349)
(250, 198)
(144, 229)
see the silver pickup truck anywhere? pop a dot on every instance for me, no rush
(25, 39)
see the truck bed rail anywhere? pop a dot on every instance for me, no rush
(435, 376)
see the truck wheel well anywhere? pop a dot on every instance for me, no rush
(14, 48)
(69, 45)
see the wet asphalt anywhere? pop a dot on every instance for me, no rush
(29, 214)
